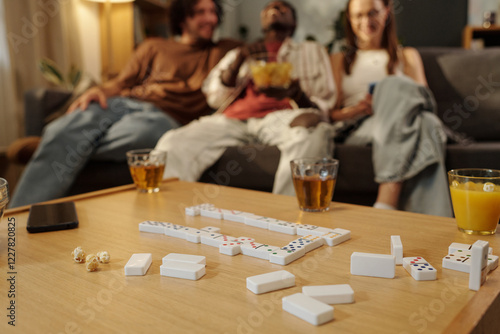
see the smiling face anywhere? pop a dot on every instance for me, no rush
(277, 16)
(202, 24)
(368, 20)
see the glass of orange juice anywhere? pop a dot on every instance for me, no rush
(475, 194)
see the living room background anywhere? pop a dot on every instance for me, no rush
(418, 22)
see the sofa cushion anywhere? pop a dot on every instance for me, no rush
(474, 155)
(475, 75)
(250, 167)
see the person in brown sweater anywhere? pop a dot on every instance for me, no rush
(158, 90)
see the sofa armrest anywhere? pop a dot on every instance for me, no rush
(40, 103)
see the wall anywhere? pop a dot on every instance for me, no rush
(431, 22)
(478, 7)
(315, 17)
(89, 35)
(418, 21)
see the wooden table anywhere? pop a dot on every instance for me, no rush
(53, 294)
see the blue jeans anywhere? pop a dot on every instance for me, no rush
(69, 142)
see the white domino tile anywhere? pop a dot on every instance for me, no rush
(461, 260)
(186, 231)
(211, 229)
(286, 256)
(283, 227)
(397, 249)
(176, 231)
(185, 270)
(138, 264)
(258, 221)
(336, 236)
(313, 242)
(244, 239)
(312, 230)
(222, 239)
(194, 236)
(153, 226)
(270, 281)
(419, 268)
(375, 265)
(234, 216)
(211, 212)
(230, 248)
(458, 260)
(213, 239)
(330, 294)
(478, 265)
(295, 246)
(492, 262)
(306, 229)
(195, 210)
(455, 246)
(187, 258)
(192, 211)
(257, 250)
(308, 309)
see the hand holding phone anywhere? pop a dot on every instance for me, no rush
(52, 217)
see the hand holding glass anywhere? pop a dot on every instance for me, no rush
(147, 167)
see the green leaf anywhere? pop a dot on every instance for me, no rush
(51, 72)
(74, 76)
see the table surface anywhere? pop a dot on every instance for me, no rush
(53, 294)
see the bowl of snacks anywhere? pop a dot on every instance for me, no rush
(267, 74)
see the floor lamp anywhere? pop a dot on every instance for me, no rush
(107, 18)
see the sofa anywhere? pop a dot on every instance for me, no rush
(465, 84)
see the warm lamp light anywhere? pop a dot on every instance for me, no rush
(107, 9)
(112, 1)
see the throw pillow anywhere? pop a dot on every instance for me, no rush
(475, 75)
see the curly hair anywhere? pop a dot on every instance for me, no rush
(181, 9)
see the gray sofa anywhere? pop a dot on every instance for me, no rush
(466, 86)
(455, 76)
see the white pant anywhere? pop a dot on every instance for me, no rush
(198, 145)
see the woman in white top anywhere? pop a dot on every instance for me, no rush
(408, 142)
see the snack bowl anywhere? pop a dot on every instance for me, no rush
(271, 73)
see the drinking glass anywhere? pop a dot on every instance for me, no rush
(475, 194)
(147, 167)
(314, 181)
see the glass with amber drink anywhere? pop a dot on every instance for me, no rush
(314, 181)
(147, 167)
(475, 194)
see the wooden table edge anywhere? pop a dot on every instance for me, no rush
(471, 318)
(91, 194)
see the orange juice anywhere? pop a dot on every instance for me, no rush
(476, 210)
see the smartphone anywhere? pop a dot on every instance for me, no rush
(371, 88)
(52, 217)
